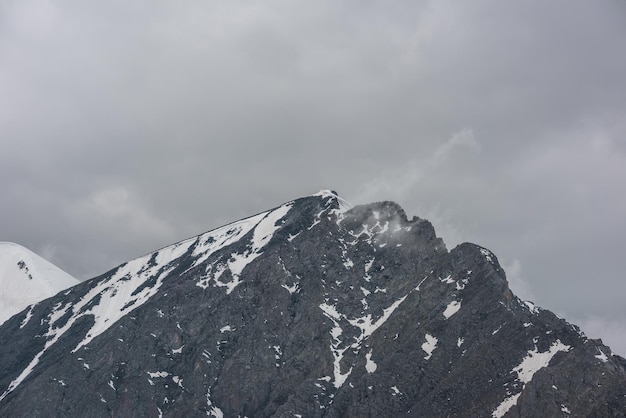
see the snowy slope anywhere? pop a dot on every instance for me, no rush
(133, 283)
(26, 278)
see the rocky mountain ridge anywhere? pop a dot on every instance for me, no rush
(311, 309)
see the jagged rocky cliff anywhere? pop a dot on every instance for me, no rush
(312, 310)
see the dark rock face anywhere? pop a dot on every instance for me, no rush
(306, 310)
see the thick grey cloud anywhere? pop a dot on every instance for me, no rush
(125, 127)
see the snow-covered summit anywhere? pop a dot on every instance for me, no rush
(26, 278)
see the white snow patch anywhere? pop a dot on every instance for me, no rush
(212, 241)
(395, 391)
(158, 374)
(56, 313)
(331, 312)
(420, 283)
(487, 254)
(263, 233)
(364, 323)
(315, 222)
(531, 307)
(459, 341)
(348, 264)
(178, 381)
(370, 366)
(367, 326)
(504, 407)
(29, 315)
(213, 411)
(602, 357)
(368, 265)
(531, 364)
(119, 294)
(429, 346)
(565, 409)
(534, 361)
(178, 350)
(452, 308)
(292, 289)
(226, 328)
(447, 280)
(460, 285)
(292, 237)
(278, 353)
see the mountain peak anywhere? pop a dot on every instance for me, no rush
(27, 278)
(313, 308)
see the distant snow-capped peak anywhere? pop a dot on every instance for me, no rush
(26, 278)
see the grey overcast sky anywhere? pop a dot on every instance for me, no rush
(129, 125)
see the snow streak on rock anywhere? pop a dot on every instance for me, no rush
(264, 225)
(124, 291)
(531, 364)
(108, 301)
(367, 327)
(344, 205)
(133, 283)
(534, 361)
(213, 411)
(212, 241)
(336, 331)
(601, 356)
(531, 307)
